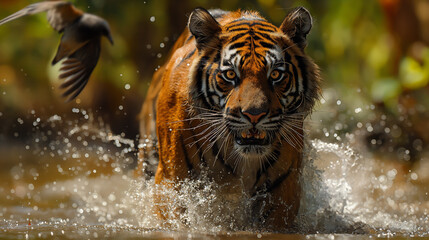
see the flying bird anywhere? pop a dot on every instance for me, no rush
(79, 45)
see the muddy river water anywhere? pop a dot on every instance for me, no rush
(75, 180)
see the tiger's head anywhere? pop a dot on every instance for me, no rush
(252, 80)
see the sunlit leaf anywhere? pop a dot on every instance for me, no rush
(412, 74)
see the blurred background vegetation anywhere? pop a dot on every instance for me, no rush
(374, 57)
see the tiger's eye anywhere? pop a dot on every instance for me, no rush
(230, 74)
(275, 74)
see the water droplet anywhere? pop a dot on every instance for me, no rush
(399, 193)
(111, 197)
(127, 86)
(152, 19)
(387, 130)
(392, 174)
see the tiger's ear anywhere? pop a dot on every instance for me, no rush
(297, 25)
(203, 26)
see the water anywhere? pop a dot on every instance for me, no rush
(75, 179)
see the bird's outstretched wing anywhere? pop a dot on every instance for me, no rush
(60, 13)
(32, 9)
(77, 68)
(63, 15)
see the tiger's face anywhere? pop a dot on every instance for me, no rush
(259, 83)
(252, 103)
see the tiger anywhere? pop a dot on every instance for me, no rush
(230, 102)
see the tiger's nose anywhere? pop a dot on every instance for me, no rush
(254, 114)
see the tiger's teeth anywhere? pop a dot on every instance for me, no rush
(256, 135)
(243, 134)
(246, 134)
(260, 135)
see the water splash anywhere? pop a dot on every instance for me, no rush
(346, 192)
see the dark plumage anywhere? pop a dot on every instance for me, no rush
(79, 45)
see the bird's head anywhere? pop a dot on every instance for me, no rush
(105, 31)
(97, 24)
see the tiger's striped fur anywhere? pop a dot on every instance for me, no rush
(231, 101)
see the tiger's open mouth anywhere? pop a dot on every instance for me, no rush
(252, 137)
